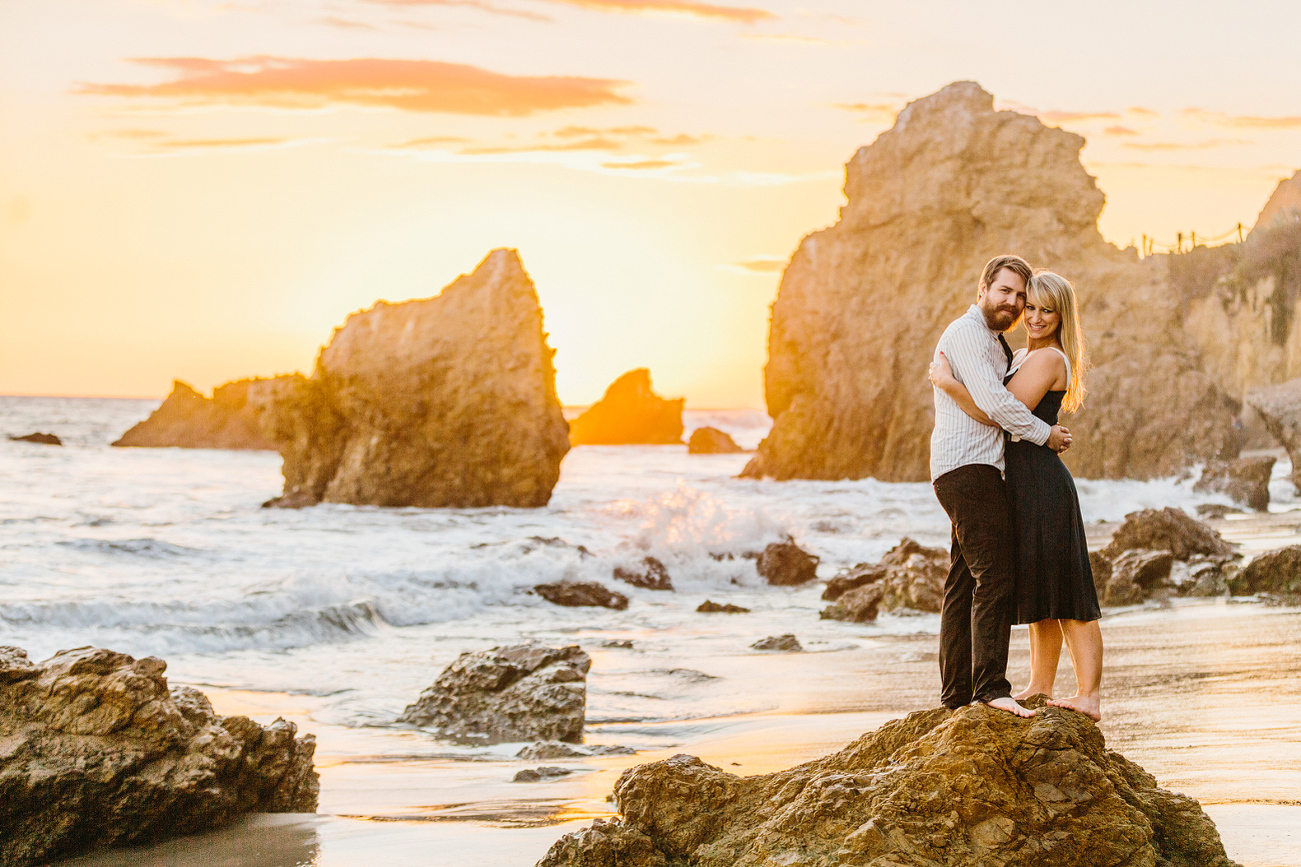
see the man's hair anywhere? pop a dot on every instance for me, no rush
(1015, 264)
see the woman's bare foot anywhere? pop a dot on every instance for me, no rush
(1090, 706)
(1032, 689)
(1010, 705)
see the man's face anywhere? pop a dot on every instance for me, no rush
(1003, 301)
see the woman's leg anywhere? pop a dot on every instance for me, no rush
(1045, 653)
(1084, 643)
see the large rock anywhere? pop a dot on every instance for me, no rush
(522, 692)
(43, 439)
(711, 441)
(1136, 575)
(862, 304)
(96, 751)
(1245, 481)
(1280, 408)
(581, 594)
(785, 564)
(629, 413)
(444, 401)
(960, 789)
(1278, 572)
(230, 419)
(1167, 529)
(650, 574)
(859, 605)
(910, 575)
(1284, 205)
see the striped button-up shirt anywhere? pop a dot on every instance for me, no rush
(979, 363)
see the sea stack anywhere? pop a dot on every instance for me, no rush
(629, 413)
(862, 304)
(438, 402)
(188, 420)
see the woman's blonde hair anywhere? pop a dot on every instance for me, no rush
(1056, 293)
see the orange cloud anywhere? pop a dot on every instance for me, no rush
(473, 4)
(1069, 116)
(762, 265)
(211, 143)
(640, 165)
(688, 8)
(347, 24)
(1139, 111)
(883, 112)
(409, 85)
(1219, 118)
(575, 131)
(1119, 130)
(1183, 146)
(589, 144)
(432, 140)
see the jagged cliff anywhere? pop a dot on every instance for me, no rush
(630, 412)
(862, 304)
(187, 419)
(444, 401)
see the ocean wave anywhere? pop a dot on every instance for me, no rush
(146, 547)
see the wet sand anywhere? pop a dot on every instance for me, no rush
(1205, 694)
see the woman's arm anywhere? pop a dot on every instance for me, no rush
(941, 375)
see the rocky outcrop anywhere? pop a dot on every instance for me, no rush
(711, 441)
(1167, 529)
(1280, 408)
(96, 750)
(952, 184)
(1245, 481)
(785, 564)
(910, 575)
(786, 643)
(630, 413)
(1277, 573)
(1283, 207)
(710, 607)
(230, 419)
(959, 789)
(1158, 553)
(579, 594)
(649, 574)
(43, 439)
(522, 692)
(440, 402)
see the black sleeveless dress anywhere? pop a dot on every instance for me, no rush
(1053, 577)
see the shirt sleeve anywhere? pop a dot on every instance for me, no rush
(968, 356)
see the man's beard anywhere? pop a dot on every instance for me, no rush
(1001, 318)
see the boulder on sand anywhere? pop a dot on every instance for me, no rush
(439, 402)
(786, 643)
(43, 439)
(522, 692)
(96, 751)
(859, 605)
(580, 594)
(230, 419)
(710, 607)
(711, 441)
(1167, 529)
(973, 787)
(911, 576)
(630, 413)
(862, 304)
(1277, 573)
(786, 564)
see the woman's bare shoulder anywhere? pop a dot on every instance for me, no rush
(1045, 358)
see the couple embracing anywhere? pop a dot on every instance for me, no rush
(1019, 552)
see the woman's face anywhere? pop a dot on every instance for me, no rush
(1041, 321)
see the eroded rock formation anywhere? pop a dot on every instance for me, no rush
(580, 594)
(96, 751)
(230, 419)
(522, 692)
(958, 789)
(1277, 573)
(862, 304)
(1280, 408)
(629, 413)
(1162, 552)
(1245, 481)
(444, 401)
(650, 574)
(785, 564)
(43, 439)
(910, 575)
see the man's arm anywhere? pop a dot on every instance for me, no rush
(970, 362)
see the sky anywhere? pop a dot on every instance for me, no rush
(203, 189)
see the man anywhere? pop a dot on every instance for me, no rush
(967, 473)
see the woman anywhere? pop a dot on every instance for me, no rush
(1055, 592)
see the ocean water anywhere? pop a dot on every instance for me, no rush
(167, 552)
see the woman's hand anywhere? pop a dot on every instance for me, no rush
(941, 374)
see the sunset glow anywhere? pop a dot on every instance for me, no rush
(203, 190)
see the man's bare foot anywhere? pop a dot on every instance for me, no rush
(1009, 704)
(1033, 690)
(1090, 706)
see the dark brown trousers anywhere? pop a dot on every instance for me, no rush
(979, 605)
